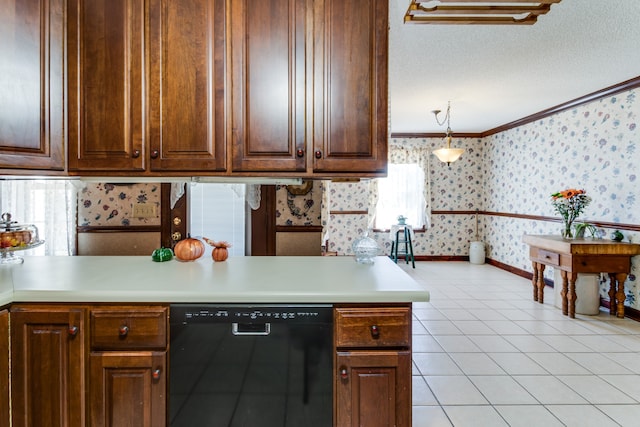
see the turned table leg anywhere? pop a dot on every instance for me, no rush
(620, 296)
(612, 294)
(571, 295)
(538, 282)
(564, 292)
(534, 280)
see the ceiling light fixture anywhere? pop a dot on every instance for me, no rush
(447, 154)
(487, 12)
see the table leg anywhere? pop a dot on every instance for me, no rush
(538, 285)
(534, 280)
(571, 296)
(612, 294)
(620, 296)
(564, 292)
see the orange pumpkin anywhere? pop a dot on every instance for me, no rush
(220, 253)
(188, 249)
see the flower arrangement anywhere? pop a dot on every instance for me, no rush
(569, 204)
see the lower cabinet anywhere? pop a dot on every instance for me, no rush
(372, 385)
(47, 366)
(127, 389)
(128, 366)
(374, 388)
(82, 365)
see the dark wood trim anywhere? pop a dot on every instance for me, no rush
(601, 224)
(263, 224)
(455, 212)
(168, 214)
(298, 228)
(435, 135)
(348, 212)
(441, 258)
(594, 96)
(118, 229)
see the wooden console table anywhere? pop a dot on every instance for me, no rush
(580, 256)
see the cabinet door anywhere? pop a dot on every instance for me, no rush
(350, 86)
(188, 90)
(107, 108)
(4, 368)
(47, 366)
(269, 53)
(32, 84)
(373, 388)
(127, 389)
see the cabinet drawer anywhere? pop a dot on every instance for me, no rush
(373, 327)
(130, 328)
(547, 257)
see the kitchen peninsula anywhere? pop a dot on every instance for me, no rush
(106, 319)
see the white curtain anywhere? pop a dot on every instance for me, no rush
(50, 205)
(405, 152)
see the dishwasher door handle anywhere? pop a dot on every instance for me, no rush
(251, 328)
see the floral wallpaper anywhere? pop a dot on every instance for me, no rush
(299, 209)
(593, 147)
(101, 205)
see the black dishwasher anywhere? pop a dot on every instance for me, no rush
(250, 365)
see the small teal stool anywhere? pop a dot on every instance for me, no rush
(403, 237)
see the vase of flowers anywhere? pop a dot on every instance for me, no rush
(569, 204)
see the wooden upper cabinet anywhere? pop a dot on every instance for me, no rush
(107, 109)
(32, 76)
(147, 86)
(188, 88)
(350, 86)
(269, 84)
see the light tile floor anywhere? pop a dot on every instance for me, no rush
(486, 354)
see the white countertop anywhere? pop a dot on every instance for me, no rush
(237, 280)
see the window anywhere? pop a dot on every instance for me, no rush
(50, 205)
(401, 193)
(217, 211)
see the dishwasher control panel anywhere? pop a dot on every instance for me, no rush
(214, 313)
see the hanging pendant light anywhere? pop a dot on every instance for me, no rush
(447, 154)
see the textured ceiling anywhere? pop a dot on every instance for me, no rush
(496, 74)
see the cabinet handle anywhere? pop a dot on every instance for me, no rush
(155, 154)
(123, 331)
(344, 374)
(318, 154)
(73, 330)
(300, 152)
(155, 374)
(135, 154)
(375, 331)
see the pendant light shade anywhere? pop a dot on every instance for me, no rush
(447, 154)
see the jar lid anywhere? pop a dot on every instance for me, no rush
(7, 225)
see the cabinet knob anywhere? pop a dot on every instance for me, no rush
(135, 154)
(123, 331)
(155, 154)
(318, 154)
(375, 331)
(344, 374)
(300, 152)
(73, 330)
(156, 374)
